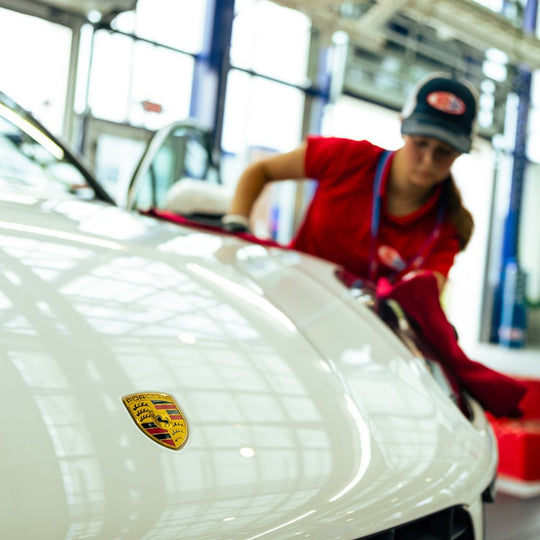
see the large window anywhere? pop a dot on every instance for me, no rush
(261, 113)
(529, 245)
(356, 119)
(134, 78)
(270, 40)
(265, 101)
(174, 23)
(34, 64)
(266, 109)
(127, 75)
(144, 81)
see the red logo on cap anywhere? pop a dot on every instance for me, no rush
(446, 102)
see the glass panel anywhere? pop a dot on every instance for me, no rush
(529, 245)
(163, 77)
(263, 117)
(83, 68)
(261, 113)
(29, 158)
(175, 23)
(26, 65)
(184, 154)
(357, 119)
(533, 139)
(116, 158)
(110, 76)
(271, 40)
(154, 184)
(126, 75)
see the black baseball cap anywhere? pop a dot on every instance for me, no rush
(443, 107)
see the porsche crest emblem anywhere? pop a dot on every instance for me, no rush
(159, 417)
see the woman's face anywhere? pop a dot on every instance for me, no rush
(428, 160)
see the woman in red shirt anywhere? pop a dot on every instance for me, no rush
(374, 212)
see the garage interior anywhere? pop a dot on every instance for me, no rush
(259, 76)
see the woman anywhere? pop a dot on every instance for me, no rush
(380, 213)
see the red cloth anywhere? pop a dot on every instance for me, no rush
(418, 296)
(181, 220)
(337, 223)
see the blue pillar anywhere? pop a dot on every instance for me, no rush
(510, 315)
(211, 69)
(321, 72)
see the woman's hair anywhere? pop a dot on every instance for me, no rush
(460, 217)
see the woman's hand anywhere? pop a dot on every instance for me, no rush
(441, 280)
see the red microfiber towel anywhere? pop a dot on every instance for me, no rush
(418, 296)
(168, 215)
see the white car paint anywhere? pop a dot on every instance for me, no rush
(307, 415)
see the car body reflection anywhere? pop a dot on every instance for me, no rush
(307, 415)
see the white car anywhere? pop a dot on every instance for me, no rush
(162, 381)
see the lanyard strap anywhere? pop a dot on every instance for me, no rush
(376, 204)
(376, 211)
(420, 257)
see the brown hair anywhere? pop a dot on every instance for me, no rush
(460, 217)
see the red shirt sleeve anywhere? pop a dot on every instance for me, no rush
(329, 159)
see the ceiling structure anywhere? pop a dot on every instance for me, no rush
(368, 23)
(70, 11)
(392, 43)
(83, 7)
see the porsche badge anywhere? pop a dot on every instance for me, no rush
(158, 416)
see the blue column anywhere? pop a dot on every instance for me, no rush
(212, 67)
(510, 314)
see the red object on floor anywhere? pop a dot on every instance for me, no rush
(519, 439)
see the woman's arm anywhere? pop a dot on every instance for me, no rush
(288, 166)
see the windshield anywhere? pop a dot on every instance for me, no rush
(29, 157)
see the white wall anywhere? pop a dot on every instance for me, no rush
(474, 174)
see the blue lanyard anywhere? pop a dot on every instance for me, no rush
(376, 204)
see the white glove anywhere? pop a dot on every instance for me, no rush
(235, 223)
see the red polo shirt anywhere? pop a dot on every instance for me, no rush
(338, 221)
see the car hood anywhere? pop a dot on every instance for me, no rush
(304, 413)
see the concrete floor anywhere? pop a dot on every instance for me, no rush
(513, 518)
